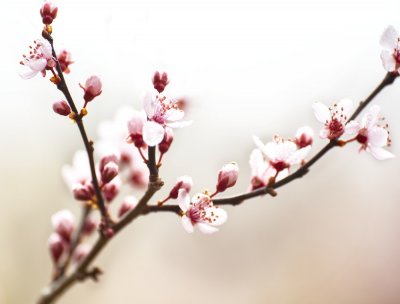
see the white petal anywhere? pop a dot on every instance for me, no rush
(206, 228)
(258, 143)
(271, 150)
(388, 61)
(352, 128)
(38, 64)
(46, 48)
(377, 136)
(28, 73)
(179, 124)
(389, 38)
(321, 112)
(183, 200)
(221, 215)
(379, 153)
(347, 105)
(174, 114)
(149, 104)
(283, 174)
(298, 156)
(371, 117)
(324, 133)
(187, 224)
(153, 133)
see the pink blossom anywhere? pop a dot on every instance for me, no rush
(61, 107)
(108, 172)
(184, 182)
(48, 11)
(39, 59)
(227, 176)
(304, 137)
(334, 118)
(390, 55)
(83, 192)
(64, 59)
(90, 225)
(127, 205)
(200, 212)
(92, 88)
(164, 145)
(161, 112)
(81, 252)
(135, 128)
(56, 247)
(64, 224)
(160, 81)
(261, 171)
(370, 134)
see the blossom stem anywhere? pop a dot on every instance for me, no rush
(142, 155)
(160, 159)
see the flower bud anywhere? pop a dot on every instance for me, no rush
(92, 88)
(111, 190)
(160, 81)
(135, 128)
(64, 59)
(108, 173)
(184, 182)
(64, 224)
(56, 246)
(304, 137)
(107, 159)
(90, 226)
(164, 145)
(81, 252)
(128, 204)
(227, 176)
(48, 11)
(83, 192)
(61, 107)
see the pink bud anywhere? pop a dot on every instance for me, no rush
(107, 159)
(128, 204)
(48, 11)
(183, 182)
(139, 174)
(160, 81)
(81, 252)
(64, 224)
(61, 107)
(111, 190)
(92, 88)
(64, 59)
(83, 192)
(108, 173)
(164, 145)
(227, 176)
(304, 137)
(135, 128)
(90, 226)
(56, 246)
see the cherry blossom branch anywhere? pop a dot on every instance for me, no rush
(62, 86)
(81, 273)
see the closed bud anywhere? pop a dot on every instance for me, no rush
(48, 11)
(83, 192)
(135, 129)
(108, 173)
(107, 159)
(111, 190)
(56, 247)
(128, 204)
(90, 226)
(164, 145)
(304, 137)
(81, 252)
(160, 81)
(64, 224)
(227, 176)
(62, 108)
(184, 182)
(92, 88)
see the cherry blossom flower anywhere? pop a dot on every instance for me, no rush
(227, 176)
(92, 89)
(304, 137)
(64, 59)
(64, 224)
(161, 112)
(48, 11)
(334, 118)
(200, 212)
(390, 56)
(39, 59)
(372, 136)
(282, 154)
(261, 171)
(183, 182)
(61, 107)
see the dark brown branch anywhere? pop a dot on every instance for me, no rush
(62, 86)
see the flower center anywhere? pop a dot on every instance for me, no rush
(279, 165)
(335, 128)
(362, 136)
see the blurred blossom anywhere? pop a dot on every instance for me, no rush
(56, 247)
(390, 56)
(128, 204)
(64, 224)
(81, 251)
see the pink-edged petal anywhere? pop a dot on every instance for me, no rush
(298, 156)
(257, 163)
(347, 105)
(352, 128)
(149, 104)
(174, 114)
(388, 61)
(38, 64)
(377, 136)
(220, 215)
(324, 133)
(389, 38)
(179, 124)
(285, 150)
(187, 224)
(183, 200)
(206, 228)
(370, 119)
(321, 112)
(379, 153)
(153, 133)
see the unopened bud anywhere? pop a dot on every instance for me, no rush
(164, 145)
(83, 192)
(184, 182)
(90, 226)
(56, 247)
(135, 128)
(304, 137)
(111, 190)
(160, 81)
(81, 252)
(48, 11)
(92, 88)
(64, 224)
(107, 159)
(128, 204)
(109, 171)
(227, 176)
(62, 108)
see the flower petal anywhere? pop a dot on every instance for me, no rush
(321, 112)
(347, 105)
(379, 153)
(389, 38)
(352, 128)
(221, 216)
(324, 133)
(187, 224)
(371, 117)
(174, 114)
(149, 104)
(153, 133)
(388, 61)
(206, 228)
(179, 124)
(183, 200)
(298, 156)
(377, 136)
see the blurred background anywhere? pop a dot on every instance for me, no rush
(248, 68)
